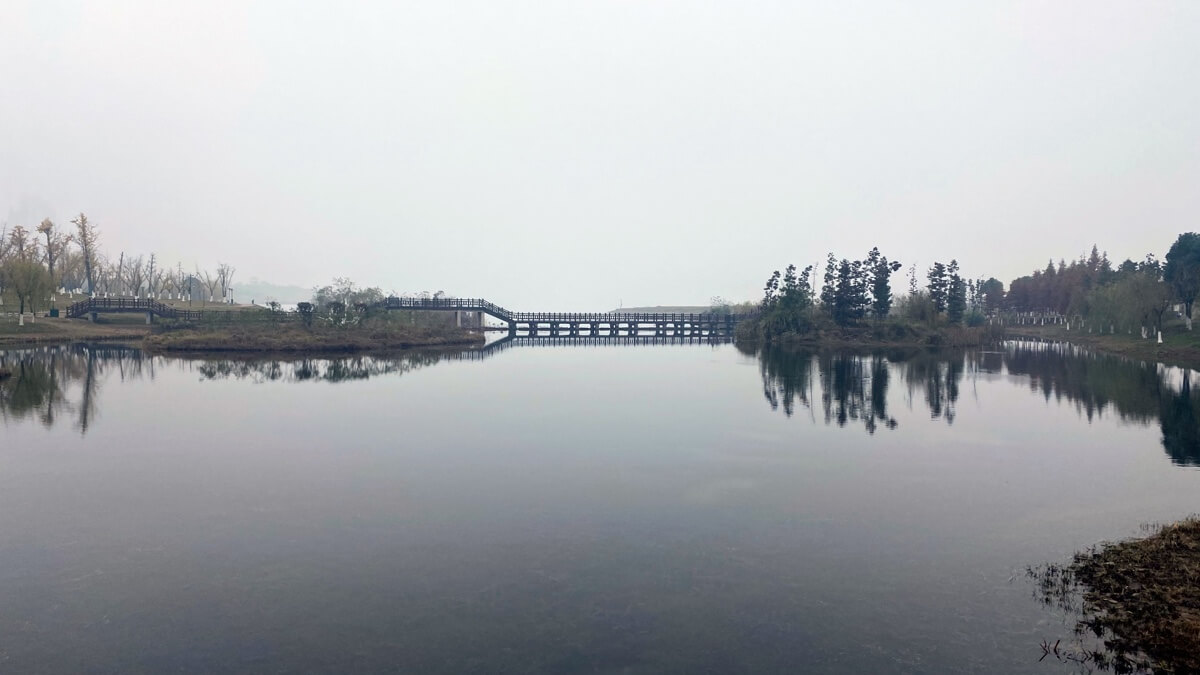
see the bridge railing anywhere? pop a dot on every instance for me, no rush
(479, 304)
(464, 304)
(100, 305)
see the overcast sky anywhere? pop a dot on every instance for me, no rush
(573, 156)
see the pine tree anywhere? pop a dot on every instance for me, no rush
(938, 286)
(879, 271)
(829, 288)
(769, 290)
(956, 301)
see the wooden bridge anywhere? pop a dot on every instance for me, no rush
(578, 324)
(553, 324)
(93, 306)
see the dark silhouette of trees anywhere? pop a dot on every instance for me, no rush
(1182, 271)
(881, 270)
(992, 294)
(939, 285)
(956, 294)
(829, 288)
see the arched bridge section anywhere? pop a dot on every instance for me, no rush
(92, 306)
(578, 324)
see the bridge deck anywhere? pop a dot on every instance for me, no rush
(529, 320)
(480, 305)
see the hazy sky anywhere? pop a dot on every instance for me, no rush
(572, 155)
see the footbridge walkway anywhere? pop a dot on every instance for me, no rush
(581, 323)
(554, 324)
(92, 306)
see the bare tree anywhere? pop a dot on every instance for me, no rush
(54, 248)
(4, 253)
(118, 275)
(211, 283)
(153, 276)
(135, 276)
(70, 270)
(21, 245)
(225, 278)
(87, 237)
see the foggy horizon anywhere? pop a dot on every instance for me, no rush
(577, 157)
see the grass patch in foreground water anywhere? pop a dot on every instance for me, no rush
(1141, 597)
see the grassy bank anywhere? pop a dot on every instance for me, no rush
(45, 330)
(293, 337)
(1180, 347)
(1141, 596)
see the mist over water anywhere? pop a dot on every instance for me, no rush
(680, 507)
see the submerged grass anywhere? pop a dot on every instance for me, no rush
(1141, 597)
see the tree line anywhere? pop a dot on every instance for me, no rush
(36, 265)
(854, 291)
(1133, 294)
(1129, 295)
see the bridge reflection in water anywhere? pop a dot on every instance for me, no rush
(63, 384)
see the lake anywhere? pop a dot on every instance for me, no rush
(622, 506)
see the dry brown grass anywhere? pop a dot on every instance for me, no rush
(1141, 596)
(1146, 592)
(283, 338)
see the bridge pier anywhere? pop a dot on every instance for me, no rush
(149, 318)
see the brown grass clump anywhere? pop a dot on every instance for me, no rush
(1141, 596)
(285, 338)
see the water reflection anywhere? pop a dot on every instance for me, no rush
(50, 383)
(854, 388)
(55, 384)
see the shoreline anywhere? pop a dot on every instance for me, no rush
(1181, 350)
(294, 339)
(247, 340)
(1138, 595)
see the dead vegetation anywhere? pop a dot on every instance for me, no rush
(284, 338)
(1140, 597)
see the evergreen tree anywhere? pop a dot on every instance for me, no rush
(879, 270)
(992, 293)
(769, 290)
(1183, 269)
(938, 286)
(829, 289)
(850, 292)
(956, 301)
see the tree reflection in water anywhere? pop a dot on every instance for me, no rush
(47, 383)
(51, 384)
(854, 387)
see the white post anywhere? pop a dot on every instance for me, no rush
(21, 319)
(1160, 337)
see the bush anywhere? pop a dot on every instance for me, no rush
(918, 307)
(975, 319)
(306, 311)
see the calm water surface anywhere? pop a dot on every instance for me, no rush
(569, 509)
